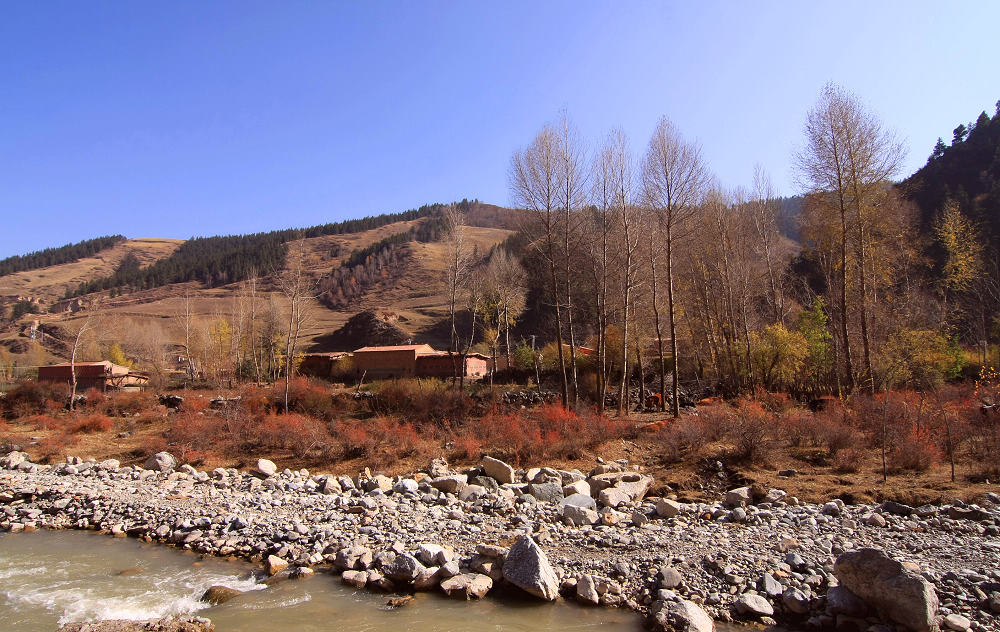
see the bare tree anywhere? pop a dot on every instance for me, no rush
(848, 160)
(296, 287)
(617, 158)
(763, 208)
(572, 193)
(674, 176)
(457, 274)
(80, 331)
(535, 186)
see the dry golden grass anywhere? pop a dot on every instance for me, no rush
(418, 297)
(51, 283)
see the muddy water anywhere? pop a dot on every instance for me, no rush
(49, 578)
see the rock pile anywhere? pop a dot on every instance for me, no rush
(593, 537)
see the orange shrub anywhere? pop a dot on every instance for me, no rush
(194, 404)
(34, 398)
(89, 424)
(45, 422)
(55, 446)
(126, 403)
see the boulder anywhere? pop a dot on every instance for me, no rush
(578, 516)
(217, 595)
(265, 468)
(451, 484)
(330, 486)
(405, 568)
(670, 577)
(739, 496)
(13, 459)
(581, 488)
(358, 579)
(498, 470)
(840, 600)
(438, 468)
(161, 462)
(957, 622)
(667, 508)
(749, 604)
(550, 492)
(467, 586)
(527, 567)
(586, 591)
(274, 564)
(884, 583)
(580, 500)
(472, 493)
(680, 616)
(353, 558)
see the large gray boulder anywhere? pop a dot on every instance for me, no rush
(161, 462)
(13, 459)
(579, 500)
(885, 584)
(497, 469)
(405, 568)
(527, 567)
(749, 604)
(680, 616)
(265, 468)
(218, 595)
(467, 586)
(550, 492)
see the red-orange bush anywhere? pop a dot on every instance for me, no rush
(34, 398)
(128, 403)
(55, 446)
(194, 404)
(88, 424)
(749, 431)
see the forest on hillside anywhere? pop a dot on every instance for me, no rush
(221, 260)
(55, 256)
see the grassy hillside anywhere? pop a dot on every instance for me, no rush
(134, 317)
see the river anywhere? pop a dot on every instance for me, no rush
(52, 577)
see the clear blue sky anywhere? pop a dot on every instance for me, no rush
(174, 119)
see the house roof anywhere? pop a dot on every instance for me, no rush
(419, 348)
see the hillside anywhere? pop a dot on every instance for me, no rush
(133, 317)
(51, 283)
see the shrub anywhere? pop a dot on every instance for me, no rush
(915, 451)
(685, 437)
(424, 400)
(749, 430)
(89, 424)
(54, 446)
(34, 398)
(307, 397)
(128, 403)
(194, 404)
(848, 461)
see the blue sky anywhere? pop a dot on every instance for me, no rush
(173, 119)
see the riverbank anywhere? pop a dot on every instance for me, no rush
(761, 557)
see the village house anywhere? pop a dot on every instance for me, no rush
(102, 376)
(416, 361)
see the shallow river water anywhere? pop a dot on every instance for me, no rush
(48, 578)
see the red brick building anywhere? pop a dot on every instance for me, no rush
(100, 375)
(416, 361)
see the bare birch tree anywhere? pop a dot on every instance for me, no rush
(674, 176)
(848, 159)
(535, 186)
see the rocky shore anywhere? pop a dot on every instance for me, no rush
(595, 537)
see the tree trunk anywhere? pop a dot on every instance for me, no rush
(675, 387)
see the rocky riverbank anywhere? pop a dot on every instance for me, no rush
(755, 555)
